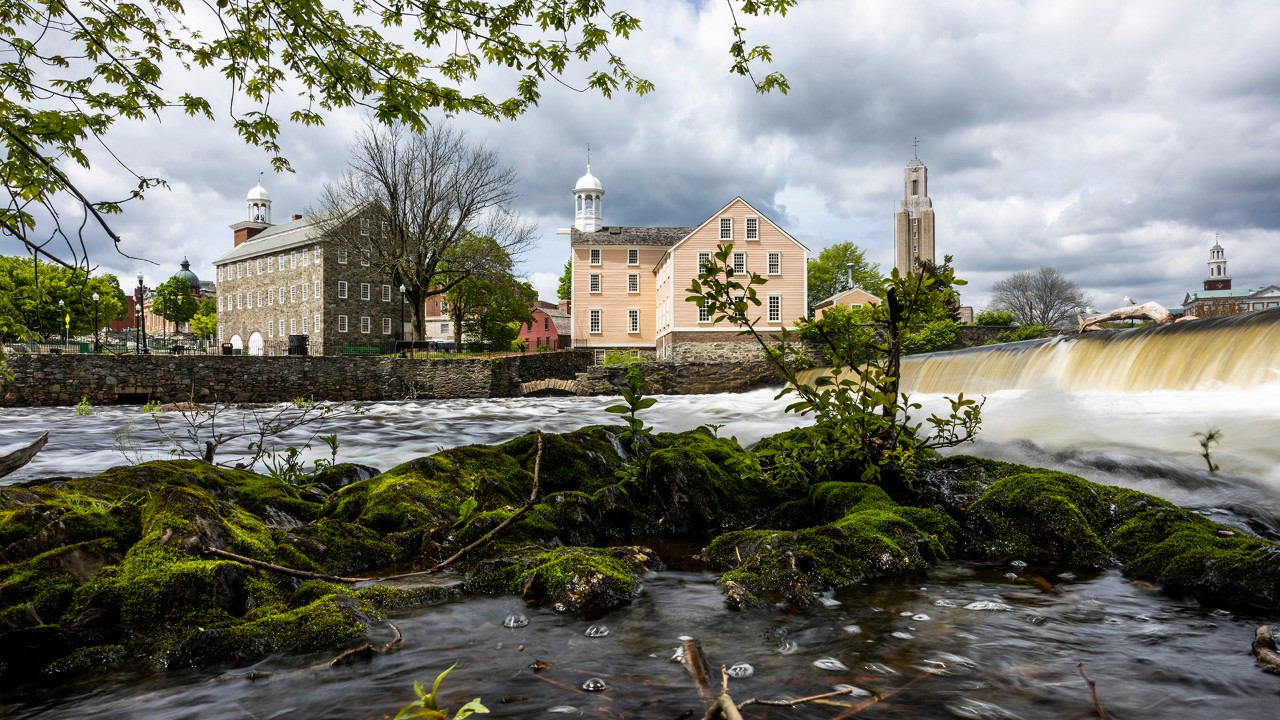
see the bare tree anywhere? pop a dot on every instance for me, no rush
(1044, 297)
(420, 198)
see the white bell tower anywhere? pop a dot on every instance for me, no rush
(588, 203)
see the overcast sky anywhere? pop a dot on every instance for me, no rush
(1109, 139)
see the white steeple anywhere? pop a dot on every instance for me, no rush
(258, 204)
(589, 207)
(1217, 279)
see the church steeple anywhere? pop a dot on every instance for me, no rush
(914, 230)
(1217, 279)
(588, 204)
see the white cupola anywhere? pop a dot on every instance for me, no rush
(588, 203)
(258, 204)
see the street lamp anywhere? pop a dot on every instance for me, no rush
(97, 348)
(142, 318)
(402, 317)
(62, 311)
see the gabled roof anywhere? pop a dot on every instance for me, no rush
(834, 299)
(718, 213)
(1220, 294)
(283, 236)
(623, 235)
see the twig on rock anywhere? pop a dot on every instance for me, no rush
(262, 564)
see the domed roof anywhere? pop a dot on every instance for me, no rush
(258, 193)
(588, 182)
(186, 274)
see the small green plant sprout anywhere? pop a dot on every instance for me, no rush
(425, 706)
(152, 406)
(83, 408)
(632, 393)
(1208, 439)
(714, 428)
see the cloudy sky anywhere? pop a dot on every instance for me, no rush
(1110, 139)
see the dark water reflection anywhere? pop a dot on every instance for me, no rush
(913, 644)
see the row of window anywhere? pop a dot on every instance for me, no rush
(366, 291)
(269, 264)
(366, 324)
(739, 262)
(595, 316)
(308, 324)
(266, 297)
(752, 231)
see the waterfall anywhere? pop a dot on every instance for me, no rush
(1241, 351)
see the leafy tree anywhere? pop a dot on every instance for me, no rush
(994, 317)
(564, 291)
(421, 200)
(863, 424)
(828, 273)
(1022, 332)
(1044, 297)
(30, 290)
(204, 324)
(490, 304)
(174, 302)
(71, 71)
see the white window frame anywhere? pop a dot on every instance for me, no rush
(633, 320)
(239, 301)
(259, 298)
(271, 296)
(280, 330)
(726, 228)
(386, 228)
(239, 270)
(595, 324)
(258, 266)
(633, 256)
(365, 257)
(305, 287)
(315, 290)
(364, 226)
(386, 326)
(444, 328)
(386, 293)
(704, 257)
(739, 263)
(365, 291)
(752, 228)
(342, 289)
(366, 325)
(293, 326)
(342, 256)
(595, 283)
(306, 259)
(293, 259)
(271, 263)
(775, 308)
(281, 295)
(271, 329)
(315, 324)
(293, 294)
(342, 323)
(594, 256)
(633, 282)
(306, 325)
(775, 263)
(704, 316)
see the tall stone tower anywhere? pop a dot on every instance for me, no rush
(1217, 279)
(913, 224)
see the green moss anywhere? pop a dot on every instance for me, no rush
(571, 579)
(1042, 516)
(585, 459)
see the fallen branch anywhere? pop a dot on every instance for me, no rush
(1264, 648)
(1094, 690)
(262, 564)
(857, 709)
(723, 706)
(696, 665)
(16, 459)
(793, 703)
(1147, 311)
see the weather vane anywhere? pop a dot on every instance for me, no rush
(915, 147)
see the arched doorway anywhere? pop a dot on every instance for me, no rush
(255, 344)
(237, 343)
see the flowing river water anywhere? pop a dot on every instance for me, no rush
(963, 641)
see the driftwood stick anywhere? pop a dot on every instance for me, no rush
(1264, 648)
(277, 568)
(1093, 688)
(696, 665)
(723, 706)
(16, 459)
(533, 499)
(857, 709)
(793, 703)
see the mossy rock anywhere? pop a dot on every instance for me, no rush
(583, 460)
(1043, 516)
(697, 484)
(582, 581)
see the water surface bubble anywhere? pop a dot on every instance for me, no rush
(515, 620)
(678, 657)
(943, 602)
(852, 629)
(831, 664)
(564, 710)
(594, 684)
(971, 709)
(1011, 576)
(1018, 564)
(955, 659)
(828, 601)
(905, 613)
(903, 635)
(880, 669)
(987, 605)
(786, 647)
(596, 631)
(854, 691)
(741, 670)
(920, 617)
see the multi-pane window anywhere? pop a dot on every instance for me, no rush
(219, 273)
(364, 257)
(595, 321)
(258, 266)
(386, 326)
(239, 270)
(444, 328)
(305, 254)
(753, 228)
(726, 228)
(259, 298)
(271, 329)
(281, 328)
(305, 288)
(239, 301)
(703, 315)
(342, 256)
(293, 259)
(704, 258)
(386, 228)
(271, 263)
(281, 295)
(219, 304)
(293, 293)
(342, 289)
(775, 263)
(317, 254)
(595, 282)
(633, 283)
(283, 259)
(293, 326)
(739, 263)
(342, 323)
(775, 308)
(633, 256)
(364, 226)
(386, 293)
(315, 289)
(315, 324)
(306, 326)
(365, 324)
(595, 256)
(248, 299)
(271, 296)
(364, 291)
(633, 321)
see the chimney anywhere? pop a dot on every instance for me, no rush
(848, 267)
(243, 234)
(564, 306)
(295, 216)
